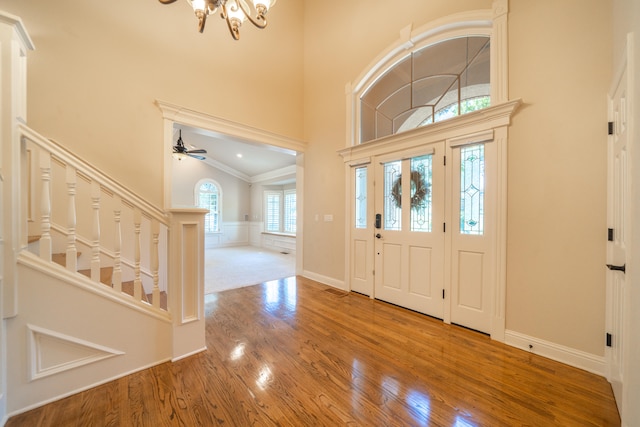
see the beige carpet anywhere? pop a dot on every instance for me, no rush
(235, 267)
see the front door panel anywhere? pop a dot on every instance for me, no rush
(409, 249)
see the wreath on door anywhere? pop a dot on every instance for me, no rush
(419, 190)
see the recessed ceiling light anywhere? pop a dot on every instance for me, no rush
(239, 155)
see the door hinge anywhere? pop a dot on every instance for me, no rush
(444, 163)
(610, 234)
(610, 128)
(444, 227)
(443, 294)
(609, 339)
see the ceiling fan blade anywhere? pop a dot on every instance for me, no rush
(197, 150)
(195, 156)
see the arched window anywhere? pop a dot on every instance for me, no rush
(431, 84)
(208, 196)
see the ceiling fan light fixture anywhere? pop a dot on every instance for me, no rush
(179, 156)
(180, 151)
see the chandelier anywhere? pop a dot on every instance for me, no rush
(235, 12)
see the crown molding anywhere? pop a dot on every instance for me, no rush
(214, 124)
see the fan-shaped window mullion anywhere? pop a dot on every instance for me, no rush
(438, 75)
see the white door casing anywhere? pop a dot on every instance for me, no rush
(487, 126)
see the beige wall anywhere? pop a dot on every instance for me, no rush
(560, 67)
(94, 77)
(98, 67)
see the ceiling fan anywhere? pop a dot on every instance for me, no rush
(180, 151)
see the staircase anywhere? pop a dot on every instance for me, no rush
(94, 295)
(87, 290)
(73, 209)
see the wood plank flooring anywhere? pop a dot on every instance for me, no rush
(297, 353)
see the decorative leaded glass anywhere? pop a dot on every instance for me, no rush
(421, 176)
(433, 83)
(361, 198)
(472, 189)
(392, 211)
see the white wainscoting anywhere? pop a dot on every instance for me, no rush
(255, 233)
(231, 234)
(279, 242)
(250, 233)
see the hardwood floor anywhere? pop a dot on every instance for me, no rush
(297, 353)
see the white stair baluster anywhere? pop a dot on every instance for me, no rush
(137, 282)
(155, 231)
(95, 238)
(72, 251)
(45, 206)
(117, 245)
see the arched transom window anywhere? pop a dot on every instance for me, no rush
(431, 84)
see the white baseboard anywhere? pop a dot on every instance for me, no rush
(572, 357)
(325, 280)
(184, 356)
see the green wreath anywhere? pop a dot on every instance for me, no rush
(419, 188)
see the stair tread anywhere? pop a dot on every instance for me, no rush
(127, 288)
(163, 299)
(61, 258)
(106, 273)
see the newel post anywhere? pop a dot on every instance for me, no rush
(14, 45)
(186, 281)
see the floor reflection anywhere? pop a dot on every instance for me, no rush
(281, 296)
(420, 405)
(237, 352)
(461, 422)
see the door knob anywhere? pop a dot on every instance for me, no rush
(378, 236)
(617, 267)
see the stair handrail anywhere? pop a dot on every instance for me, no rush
(94, 173)
(99, 181)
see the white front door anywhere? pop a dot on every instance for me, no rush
(409, 244)
(618, 204)
(435, 245)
